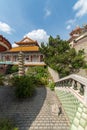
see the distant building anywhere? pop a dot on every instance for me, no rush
(30, 49)
(4, 44)
(78, 39)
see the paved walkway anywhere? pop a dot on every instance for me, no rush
(34, 113)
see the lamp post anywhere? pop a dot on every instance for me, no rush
(21, 64)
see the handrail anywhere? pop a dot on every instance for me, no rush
(75, 77)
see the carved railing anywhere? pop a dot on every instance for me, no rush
(76, 84)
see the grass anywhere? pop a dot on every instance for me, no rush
(6, 124)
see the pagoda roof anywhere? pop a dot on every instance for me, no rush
(26, 41)
(78, 29)
(4, 44)
(24, 49)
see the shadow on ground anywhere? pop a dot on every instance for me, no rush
(22, 112)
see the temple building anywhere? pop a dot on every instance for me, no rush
(30, 50)
(77, 34)
(78, 39)
(4, 44)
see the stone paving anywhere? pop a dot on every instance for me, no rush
(34, 113)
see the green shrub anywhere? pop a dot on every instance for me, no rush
(14, 68)
(11, 69)
(6, 124)
(39, 81)
(41, 71)
(44, 80)
(24, 86)
(1, 79)
(52, 85)
(40, 75)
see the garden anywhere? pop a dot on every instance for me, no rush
(25, 87)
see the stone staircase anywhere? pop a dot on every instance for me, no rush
(75, 110)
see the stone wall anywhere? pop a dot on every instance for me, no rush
(83, 72)
(53, 74)
(82, 44)
(79, 45)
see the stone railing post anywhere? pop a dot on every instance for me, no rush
(72, 84)
(85, 94)
(75, 85)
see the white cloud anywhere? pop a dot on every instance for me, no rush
(71, 21)
(68, 27)
(5, 28)
(47, 12)
(40, 35)
(14, 45)
(81, 8)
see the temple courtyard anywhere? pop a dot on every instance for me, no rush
(34, 113)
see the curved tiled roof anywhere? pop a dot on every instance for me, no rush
(26, 41)
(77, 31)
(4, 44)
(24, 48)
(25, 45)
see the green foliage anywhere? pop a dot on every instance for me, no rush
(40, 75)
(24, 86)
(51, 85)
(6, 124)
(11, 69)
(14, 69)
(41, 72)
(61, 57)
(85, 66)
(1, 79)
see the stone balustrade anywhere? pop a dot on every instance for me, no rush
(77, 83)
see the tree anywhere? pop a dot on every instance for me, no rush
(59, 56)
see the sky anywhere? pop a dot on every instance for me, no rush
(38, 19)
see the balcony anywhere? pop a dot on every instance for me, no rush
(26, 63)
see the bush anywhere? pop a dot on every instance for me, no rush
(11, 69)
(1, 79)
(40, 75)
(40, 81)
(6, 124)
(39, 71)
(52, 85)
(24, 86)
(14, 68)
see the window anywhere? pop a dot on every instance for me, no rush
(27, 58)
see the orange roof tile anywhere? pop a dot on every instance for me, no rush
(78, 29)
(24, 48)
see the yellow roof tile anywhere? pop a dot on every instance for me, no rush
(24, 48)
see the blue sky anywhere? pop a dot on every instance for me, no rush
(39, 19)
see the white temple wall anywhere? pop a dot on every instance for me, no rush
(28, 57)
